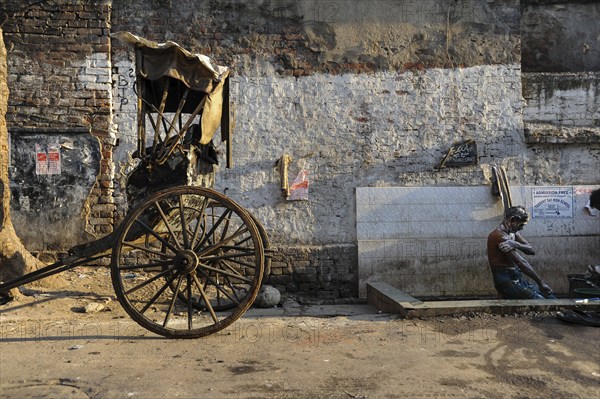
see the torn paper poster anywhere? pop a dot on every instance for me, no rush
(41, 160)
(299, 188)
(47, 162)
(54, 160)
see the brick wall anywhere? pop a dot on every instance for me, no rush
(59, 78)
(560, 86)
(59, 64)
(371, 94)
(568, 99)
(324, 271)
(367, 95)
(356, 95)
(560, 36)
(303, 37)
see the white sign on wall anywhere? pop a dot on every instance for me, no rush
(552, 202)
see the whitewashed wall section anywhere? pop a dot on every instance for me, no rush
(125, 125)
(348, 131)
(569, 99)
(431, 241)
(362, 130)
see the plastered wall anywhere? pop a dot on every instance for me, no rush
(431, 241)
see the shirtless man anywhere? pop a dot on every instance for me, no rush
(507, 265)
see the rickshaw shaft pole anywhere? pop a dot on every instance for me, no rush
(47, 271)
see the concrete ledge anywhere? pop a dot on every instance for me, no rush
(389, 299)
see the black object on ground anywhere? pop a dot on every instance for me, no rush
(587, 318)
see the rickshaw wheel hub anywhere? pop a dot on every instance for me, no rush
(187, 261)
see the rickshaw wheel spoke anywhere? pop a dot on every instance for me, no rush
(193, 268)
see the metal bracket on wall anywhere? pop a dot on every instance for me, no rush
(284, 163)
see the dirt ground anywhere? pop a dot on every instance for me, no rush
(50, 348)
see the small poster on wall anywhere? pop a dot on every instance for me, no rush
(552, 202)
(47, 162)
(54, 160)
(41, 160)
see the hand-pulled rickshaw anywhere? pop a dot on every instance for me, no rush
(186, 261)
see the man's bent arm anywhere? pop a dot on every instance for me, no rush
(524, 246)
(525, 267)
(519, 243)
(528, 271)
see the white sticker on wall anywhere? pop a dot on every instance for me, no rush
(552, 202)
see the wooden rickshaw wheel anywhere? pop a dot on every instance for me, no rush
(187, 262)
(224, 304)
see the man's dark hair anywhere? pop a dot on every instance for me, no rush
(595, 199)
(518, 212)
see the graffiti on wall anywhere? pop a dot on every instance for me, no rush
(124, 80)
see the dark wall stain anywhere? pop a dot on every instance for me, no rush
(48, 210)
(304, 37)
(559, 37)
